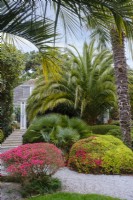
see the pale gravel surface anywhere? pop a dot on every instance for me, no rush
(110, 185)
(10, 191)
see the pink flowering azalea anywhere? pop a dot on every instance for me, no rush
(33, 159)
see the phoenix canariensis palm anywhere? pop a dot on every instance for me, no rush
(87, 86)
(115, 35)
(130, 84)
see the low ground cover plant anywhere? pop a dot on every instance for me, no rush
(34, 164)
(71, 196)
(101, 154)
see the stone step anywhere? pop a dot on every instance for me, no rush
(12, 140)
(9, 138)
(12, 144)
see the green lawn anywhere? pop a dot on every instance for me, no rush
(69, 196)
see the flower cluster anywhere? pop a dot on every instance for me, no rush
(33, 160)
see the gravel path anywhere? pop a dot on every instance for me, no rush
(111, 185)
(10, 191)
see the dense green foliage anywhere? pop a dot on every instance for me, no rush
(86, 86)
(58, 129)
(32, 67)
(101, 154)
(44, 185)
(10, 68)
(1, 136)
(103, 129)
(109, 130)
(70, 196)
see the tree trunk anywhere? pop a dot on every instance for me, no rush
(120, 67)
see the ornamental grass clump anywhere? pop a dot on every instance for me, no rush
(33, 160)
(101, 154)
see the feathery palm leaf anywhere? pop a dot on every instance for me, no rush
(88, 87)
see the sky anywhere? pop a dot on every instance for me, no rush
(78, 43)
(71, 39)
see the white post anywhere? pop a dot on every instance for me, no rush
(106, 116)
(23, 115)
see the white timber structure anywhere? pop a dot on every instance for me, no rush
(21, 94)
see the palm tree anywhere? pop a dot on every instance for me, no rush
(109, 32)
(130, 84)
(121, 12)
(17, 23)
(88, 86)
(70, 8)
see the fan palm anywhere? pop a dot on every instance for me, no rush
(88, 86)
(58, 129)
(109, 32)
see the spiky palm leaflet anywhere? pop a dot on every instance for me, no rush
(87, 86)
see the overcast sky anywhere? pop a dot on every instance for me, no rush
(27, 46)
(71, 39)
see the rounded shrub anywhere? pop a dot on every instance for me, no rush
(33, 160)
(103, 129)
(101, 154)
(1, 136)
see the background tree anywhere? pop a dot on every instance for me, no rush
(11, 65)
(33, 66)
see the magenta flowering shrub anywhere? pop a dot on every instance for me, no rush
(33, 160)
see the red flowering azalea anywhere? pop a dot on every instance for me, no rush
(33, 160)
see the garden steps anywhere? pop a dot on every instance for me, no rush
(13, 140)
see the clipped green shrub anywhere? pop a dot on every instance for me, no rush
(58, 129)
(101, 154)
(1, 136)
(115, 122)
(103, 129)
(115, 132)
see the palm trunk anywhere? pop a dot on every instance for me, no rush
(120, 67)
